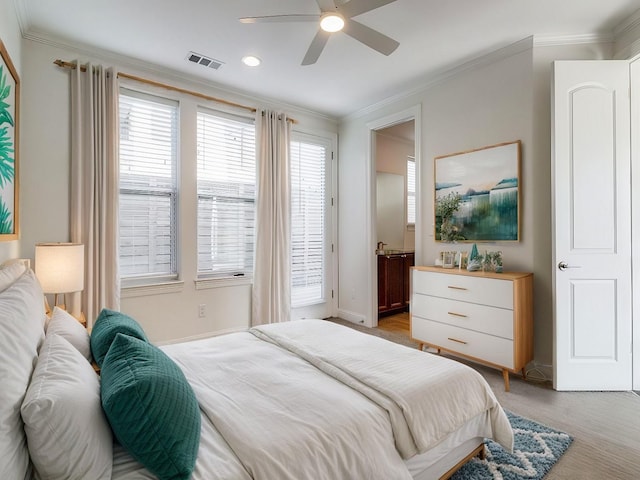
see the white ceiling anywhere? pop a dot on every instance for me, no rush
(434, 36)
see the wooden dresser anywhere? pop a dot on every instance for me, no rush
(485, 317)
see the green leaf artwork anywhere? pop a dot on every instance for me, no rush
(5, 91)
(6, 158)
(6, 225)
(7, 147)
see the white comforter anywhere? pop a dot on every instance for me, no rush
(321, 401)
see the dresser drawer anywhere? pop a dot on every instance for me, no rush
(488, 348)
(481, 318)
(486, 291)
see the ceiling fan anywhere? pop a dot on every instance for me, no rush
(335, 17)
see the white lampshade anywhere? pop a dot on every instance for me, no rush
(60, 267)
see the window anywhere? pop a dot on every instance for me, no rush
(308, 232)
(148, 186)
(411, 191)
(226, 194)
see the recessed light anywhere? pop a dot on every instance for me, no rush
(251, 61)
(331, 22)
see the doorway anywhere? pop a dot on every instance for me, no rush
(394, 155)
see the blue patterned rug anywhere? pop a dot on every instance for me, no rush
(536, 449)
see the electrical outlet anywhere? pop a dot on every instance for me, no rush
(202, 310)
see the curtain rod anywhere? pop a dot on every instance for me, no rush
(73, 66)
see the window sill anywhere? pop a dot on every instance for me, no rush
(152, 289)
(206, 283)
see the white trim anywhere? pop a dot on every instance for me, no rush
(138, 65)
(627, 25)
(412, 113)
(351, 316)
(152, 289)
(580, 39)
(207, 283)
(443, 75)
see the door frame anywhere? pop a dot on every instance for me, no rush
(331, 217)
(634, 76)
(412, 113)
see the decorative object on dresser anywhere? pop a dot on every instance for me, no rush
(394, 270)
(482, 316)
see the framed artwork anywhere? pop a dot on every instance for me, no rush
(9, 122)
(477, 195)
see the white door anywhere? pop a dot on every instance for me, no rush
(311, 227)
(592, 226)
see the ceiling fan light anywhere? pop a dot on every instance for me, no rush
(331, 22)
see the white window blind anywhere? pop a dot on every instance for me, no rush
(411, 191)
(226, 194)
(148, 186)
(308, 232)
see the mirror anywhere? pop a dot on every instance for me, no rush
(390, 217)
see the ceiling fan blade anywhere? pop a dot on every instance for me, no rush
(326, 5)
(281, 18)
(356, 7)
(370, 37)
(316, 47)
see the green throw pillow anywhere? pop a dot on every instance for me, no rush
(151, 407)
(108, 324)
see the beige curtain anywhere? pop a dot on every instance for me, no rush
(272, 274)
(94, 184)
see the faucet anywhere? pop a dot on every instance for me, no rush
(380, 248)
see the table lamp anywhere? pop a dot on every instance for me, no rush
(60, 268)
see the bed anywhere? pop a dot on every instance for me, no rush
(296, 400)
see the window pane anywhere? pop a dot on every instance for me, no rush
(148, 185)
(308, 162)
(411, 191)
(226, 194)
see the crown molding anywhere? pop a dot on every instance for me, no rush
(581, 39)
(441, 76)
(628, 24)
(483, 60)
(23, 15)
(147, 68)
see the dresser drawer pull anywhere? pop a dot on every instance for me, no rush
(456, 340)
(457, 314)
(456, 288)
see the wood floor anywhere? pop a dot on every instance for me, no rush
(398, 323)
(605, 425)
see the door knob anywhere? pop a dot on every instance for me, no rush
(562, 266)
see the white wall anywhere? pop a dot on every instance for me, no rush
(10, 36)
(503, 99)
(45, 189)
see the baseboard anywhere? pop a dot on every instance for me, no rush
(351, 316)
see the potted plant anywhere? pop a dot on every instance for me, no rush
(446, 207)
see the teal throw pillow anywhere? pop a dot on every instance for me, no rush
(108, 324)
(151, 407)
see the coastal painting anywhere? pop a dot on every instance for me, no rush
(477, 194)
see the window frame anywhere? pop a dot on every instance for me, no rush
(138, 284)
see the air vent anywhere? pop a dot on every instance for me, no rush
(204, 61)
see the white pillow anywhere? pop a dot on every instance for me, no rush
(65, 325)
(21, 334)
(67, 432)
(10, 273)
